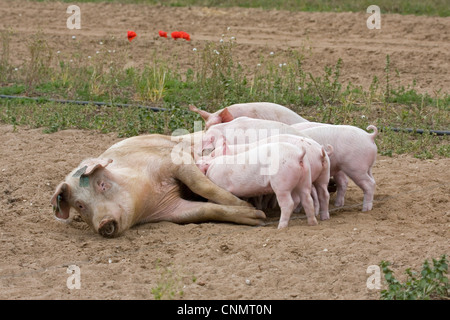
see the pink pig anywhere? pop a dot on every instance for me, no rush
(306, 125)
(257, 110)
(317, 158)
(279, 168)
(244, 130)
(354, 154)
(137, 181)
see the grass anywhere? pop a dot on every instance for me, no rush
(170, 283)
(214, 81)
(416, 7)
(126, 122)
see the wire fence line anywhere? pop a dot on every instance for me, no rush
(108, 258)
(80, 102)
(157, 109)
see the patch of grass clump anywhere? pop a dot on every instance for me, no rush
(430, 283)
(214, 81)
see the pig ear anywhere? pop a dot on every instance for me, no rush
(226, 116)
(61, 207)
(204, 114)
(94, 164)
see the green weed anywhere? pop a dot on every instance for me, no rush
(168, 287)
(215, 81)
(430, 283)
(170, 284)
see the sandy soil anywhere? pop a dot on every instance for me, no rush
(409, 223)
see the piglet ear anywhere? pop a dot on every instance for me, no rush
(61, 207)
(94, 164)
(226, 116)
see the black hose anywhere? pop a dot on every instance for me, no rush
(126, 105)
(421, 131)
(97, 103)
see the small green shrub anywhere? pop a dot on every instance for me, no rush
(430, 283)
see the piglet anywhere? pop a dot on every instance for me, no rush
(279, 168)
(316, 154)
(257, 110)
(354, 154)
(244, 130)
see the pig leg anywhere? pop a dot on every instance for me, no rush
(308, 205)
(191, 176)
(195, 212)
(272, 203)
(297, 202)
(341, 183)
(265, 199)
(286, 204)
(323, 198)
(315, 200)
(284, 191)
(258, 202)
(298, 207)
(367, 183)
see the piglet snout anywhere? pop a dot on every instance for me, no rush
(108, 227)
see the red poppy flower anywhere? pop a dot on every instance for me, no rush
(181, 34)
(131, 35)
(162, 34)
(176, 34)
(185, 35)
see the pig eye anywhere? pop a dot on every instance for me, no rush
(79, 205)
(103, 186)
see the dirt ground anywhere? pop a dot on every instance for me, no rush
(409, 223)
(419, 47)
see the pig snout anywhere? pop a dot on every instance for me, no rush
(108, 227)
(202, 166)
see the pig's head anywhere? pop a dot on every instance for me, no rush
(97, 195)
(213, 118)
(203, 164)
(204, 161)
(209, 140)
(221, 148)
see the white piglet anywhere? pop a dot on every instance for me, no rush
(257, 110)
(354, 154)
(279, 168)
(242, 130)
(315, 153)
